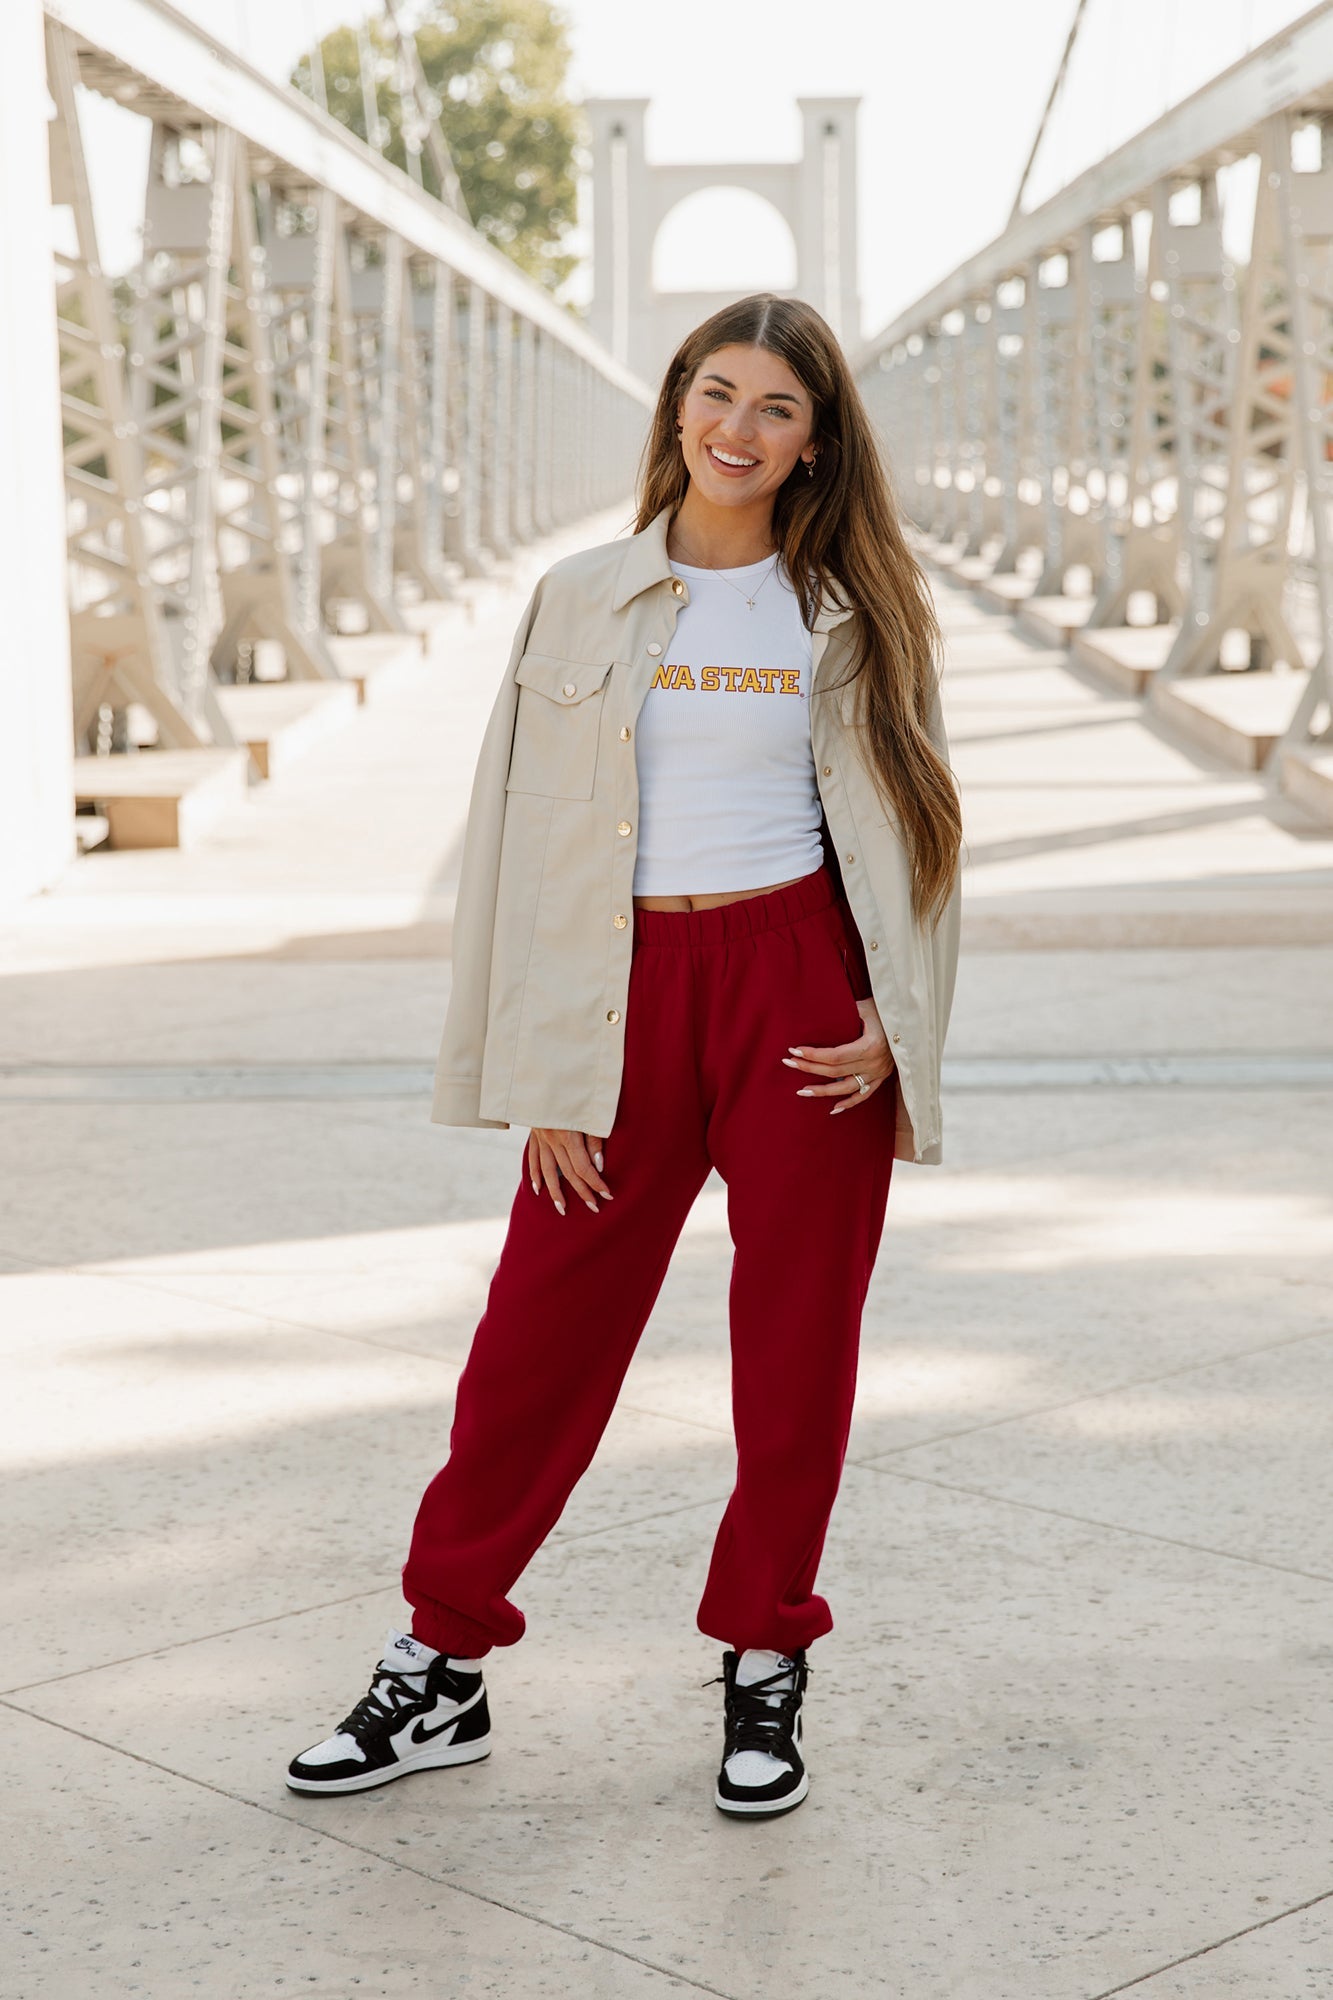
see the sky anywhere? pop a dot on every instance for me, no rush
(952, 93)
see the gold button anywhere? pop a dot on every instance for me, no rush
(619, 921)
(828, 770)
(677, 587)
(874, 944)
(624, 734)
(654, 649)
(570, 688)
(624, 827)
(613, 1015)
(897, 1038)
(851, 857)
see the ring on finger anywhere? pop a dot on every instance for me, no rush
(860, 1080)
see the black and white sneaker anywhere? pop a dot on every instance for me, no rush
(424, 1709)
(762, 1772)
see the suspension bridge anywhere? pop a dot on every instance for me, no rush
(276, 494)
(321, 400)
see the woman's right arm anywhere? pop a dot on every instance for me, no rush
(457, 1096)
(557, 1156)
(554, 1156)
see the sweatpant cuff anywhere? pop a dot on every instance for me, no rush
(453, 1632)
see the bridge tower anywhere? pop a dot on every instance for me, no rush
(815, 194)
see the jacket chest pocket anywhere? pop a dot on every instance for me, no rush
(557, 726)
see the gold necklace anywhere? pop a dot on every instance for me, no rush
(724, 578)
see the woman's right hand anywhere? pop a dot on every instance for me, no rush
(554, 1153)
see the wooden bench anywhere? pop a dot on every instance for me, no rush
(90, 831)
(371, 662)
(1126, 657)
(1007, 592)
(278, 721)
(1052, 620)
(161, 798)
(1307, 776)
(1238, 716)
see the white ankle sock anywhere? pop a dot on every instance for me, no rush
(756, 1664)
(412, 1657)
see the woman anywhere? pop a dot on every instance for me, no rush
(707, 916)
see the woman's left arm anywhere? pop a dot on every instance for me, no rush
(868, 1057)
(944, 937)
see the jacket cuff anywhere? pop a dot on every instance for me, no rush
(457, 1101)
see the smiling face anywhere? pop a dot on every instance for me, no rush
(745, 420)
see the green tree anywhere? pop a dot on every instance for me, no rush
(497, 71)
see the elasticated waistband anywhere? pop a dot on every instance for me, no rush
(736, 920)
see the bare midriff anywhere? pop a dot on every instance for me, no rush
(709, 899)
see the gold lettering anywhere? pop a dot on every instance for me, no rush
(735, 680)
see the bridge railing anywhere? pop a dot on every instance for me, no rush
(1119, 406)
(319, 385)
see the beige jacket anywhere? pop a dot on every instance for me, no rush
(543, 925)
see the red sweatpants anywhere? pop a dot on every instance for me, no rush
(716, 998)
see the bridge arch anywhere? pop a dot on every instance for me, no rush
(642, 320)
(749, 244)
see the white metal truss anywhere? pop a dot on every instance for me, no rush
(1167, 405)
(942, 407)
(121, 652)
(424, 458)
(360, 414)
(1136, 439)
(332, 386)
(1017, 458)
(297, 229)
(980, 425)
(500, 431)
(261, 515)
(1235, 411)
(1064, 405)
(175, 378)
(523, 463)
(1305, 210)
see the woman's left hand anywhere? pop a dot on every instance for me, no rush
(868, 1057)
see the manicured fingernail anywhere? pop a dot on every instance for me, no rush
(790, 1064)
(560, 1208)
(535, 1188)
(607, 1195)
(796, 1052)
(805, 1093)
(598, 1162)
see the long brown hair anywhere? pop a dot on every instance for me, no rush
(840, 537)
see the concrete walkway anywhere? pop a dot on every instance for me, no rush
(1073, 1735)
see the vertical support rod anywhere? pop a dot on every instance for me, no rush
(36, 782)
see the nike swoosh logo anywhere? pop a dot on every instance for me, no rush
(419, 1732)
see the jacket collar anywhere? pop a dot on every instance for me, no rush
(645, 562)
